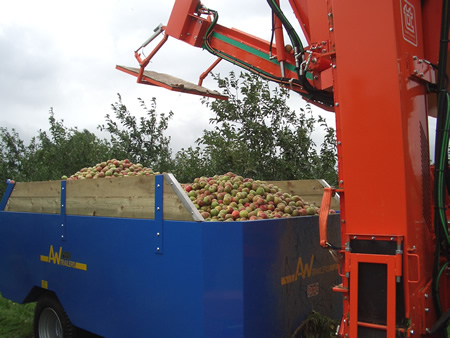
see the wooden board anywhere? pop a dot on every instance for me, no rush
(130, 197)
(40, 197)
(172, 83)
(173, 209)
(310, 190)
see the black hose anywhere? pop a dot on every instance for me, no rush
(321, 96)
(441, 159)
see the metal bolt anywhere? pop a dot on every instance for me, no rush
(334, 66)
(416, 71)
(314, 60)
(157, 208)
(158, 186)
(316, 78)
(157, 234)
(62, 225)
(421, 74)
(339, 143)
(428, 330)
(341, 182)
(411, 331)
(62, 188)
(330, 14)
(414, 57)
(373, 237)
(420, 61)
(392, 238)
(62, 205)
(157, 249)
(337, 104)
(331, 29)
(355, 237)
(427, 309)
(426, 295)
(62, 236)
(323, 43)
(342, 220)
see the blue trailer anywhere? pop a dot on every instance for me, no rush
(132, 257)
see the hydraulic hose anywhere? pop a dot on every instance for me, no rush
(441, 163)
(316, 94)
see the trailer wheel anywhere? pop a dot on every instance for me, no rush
(50, 319)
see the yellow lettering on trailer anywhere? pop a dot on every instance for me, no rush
(54, 257)
(306, 270)
(303, 270)
(59, 258)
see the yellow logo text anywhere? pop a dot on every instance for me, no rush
(61, 257)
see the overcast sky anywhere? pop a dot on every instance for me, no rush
(62, 54)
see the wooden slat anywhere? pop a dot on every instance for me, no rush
(173, 209)
(310, 190)
(39, 197)
(132, 197)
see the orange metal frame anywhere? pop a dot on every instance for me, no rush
(376, 57)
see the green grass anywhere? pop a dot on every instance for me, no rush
(16, 320)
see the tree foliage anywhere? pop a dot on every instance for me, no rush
(140, 140)
(256, 134)
(49, 155)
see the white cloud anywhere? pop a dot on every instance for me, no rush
(63, 54)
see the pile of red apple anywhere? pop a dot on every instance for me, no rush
(111, 169)
(230, 197)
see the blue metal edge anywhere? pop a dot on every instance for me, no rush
(7, 194)
(159, 198)
(63, 210)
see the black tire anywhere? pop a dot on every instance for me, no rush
(50, 319)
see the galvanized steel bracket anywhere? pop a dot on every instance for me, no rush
(183, 197)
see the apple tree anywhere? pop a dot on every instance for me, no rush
(141, 140)
(63, 150)
(257, 134)
(49, 155)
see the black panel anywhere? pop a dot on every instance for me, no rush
(372, 293)
(373, 247)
